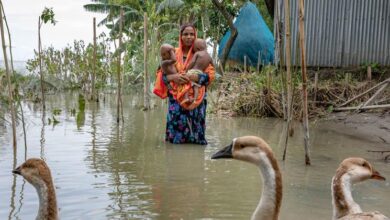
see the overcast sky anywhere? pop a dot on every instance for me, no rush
(73, 22)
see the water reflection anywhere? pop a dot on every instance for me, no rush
(105, 171)
(13, 188)
(43, 136)
(80, 118)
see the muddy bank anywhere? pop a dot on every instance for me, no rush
(261, 95)
(374, 126)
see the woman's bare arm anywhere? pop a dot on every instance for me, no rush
(179, 79)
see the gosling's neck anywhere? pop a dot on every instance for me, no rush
(342, 201)
(271, 196)
(47, 200)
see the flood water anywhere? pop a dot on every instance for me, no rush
(105, 171)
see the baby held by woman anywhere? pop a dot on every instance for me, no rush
(191, 94)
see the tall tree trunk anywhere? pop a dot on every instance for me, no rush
(288, 72)
(232, 38)
(10, 95)
(94, 96)
(40, 64)
(304, 81)
(146, 74)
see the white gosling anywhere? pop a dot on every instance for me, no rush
(37, 173)
(256, 151)
(352, 170)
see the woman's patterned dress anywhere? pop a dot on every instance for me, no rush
(184, 126)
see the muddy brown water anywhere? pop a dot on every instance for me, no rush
(105, 171)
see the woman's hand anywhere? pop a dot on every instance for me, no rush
(178, 79)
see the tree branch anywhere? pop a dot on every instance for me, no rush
(233, 34)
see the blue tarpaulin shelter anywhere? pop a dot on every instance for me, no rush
(254, 38)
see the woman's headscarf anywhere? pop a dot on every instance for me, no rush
(160, 89)
(181, 66)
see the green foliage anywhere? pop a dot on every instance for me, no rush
(169, 4)
(261, 79)
(48, 15)
(72, 66)
(330, 109)
(375, 67)
(56, 111)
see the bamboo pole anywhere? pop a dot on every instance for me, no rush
(379, 151)
(288, 72)
(40, 63)
(280, 50)
(268, 87)
(9, 38)
(258, 62)
(13, 73)
(121, 75)
(245, 68)
(375, 95)
(24, 127)
(10, 95)
(367, 91)
(304, 81)
(146, 74)
(119, 70)
(94, 96)
(360, 107)
(369, 75)
(315, 86)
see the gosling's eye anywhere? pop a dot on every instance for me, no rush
(365, 164)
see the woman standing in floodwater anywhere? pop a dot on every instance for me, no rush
(184, 126)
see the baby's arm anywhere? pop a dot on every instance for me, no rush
(165, 63)
(167, 66)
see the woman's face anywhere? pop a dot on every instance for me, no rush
(188, 36)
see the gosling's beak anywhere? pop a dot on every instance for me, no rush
(377, 176)
(225, 152)
(16, 171)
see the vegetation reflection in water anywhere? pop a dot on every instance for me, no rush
(105, 171)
